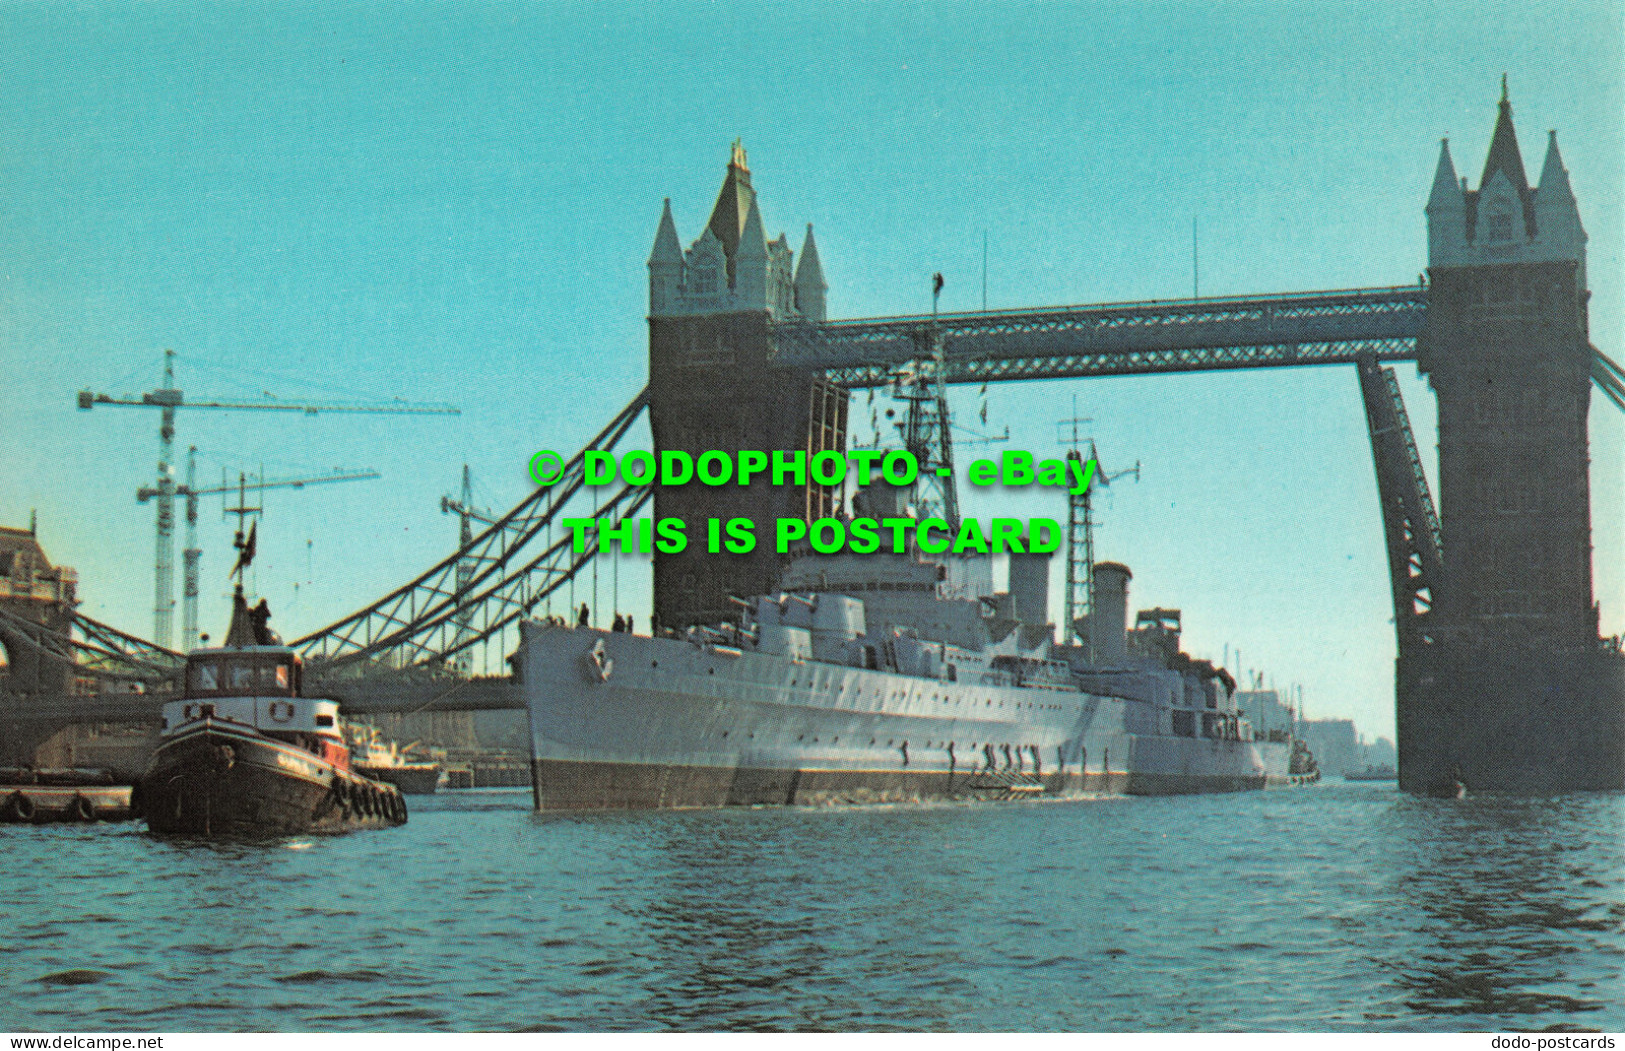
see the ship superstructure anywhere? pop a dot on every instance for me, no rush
(878, 678)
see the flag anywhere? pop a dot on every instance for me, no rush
(984, 413)
(245, 554)
(936, 284)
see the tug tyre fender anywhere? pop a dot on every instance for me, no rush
(82, 809)
(19, 807)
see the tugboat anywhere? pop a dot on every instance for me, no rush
(244, 753)
(383, 760)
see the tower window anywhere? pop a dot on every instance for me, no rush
(1500, 222)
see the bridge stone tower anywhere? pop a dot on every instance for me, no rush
(711, 314)
(1510, 688)
(36, 592)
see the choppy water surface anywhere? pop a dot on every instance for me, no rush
(1336, 907)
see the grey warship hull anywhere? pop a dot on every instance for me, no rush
(627, 721)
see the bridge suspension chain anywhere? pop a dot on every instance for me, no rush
(410, 619)
(457, 627)
(1609, 377)
(104, 653)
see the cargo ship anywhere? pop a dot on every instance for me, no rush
(885, 678)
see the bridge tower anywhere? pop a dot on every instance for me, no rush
(1509, 688)
(712, 309)
(35, 592)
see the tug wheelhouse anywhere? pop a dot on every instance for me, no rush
(258, 687)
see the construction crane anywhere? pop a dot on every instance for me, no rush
(192, 554)
(169, 398)
(467, 515)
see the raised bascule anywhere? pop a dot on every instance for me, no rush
(1501, 680)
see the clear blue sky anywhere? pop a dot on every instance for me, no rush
(454, 202)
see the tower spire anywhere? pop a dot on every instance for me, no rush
(668, 249)
(749, 262)
(1446, 188)
(1504, 155)
(733, 206)
(810, 285)
(665, 265)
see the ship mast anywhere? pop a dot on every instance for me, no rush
(927, 431)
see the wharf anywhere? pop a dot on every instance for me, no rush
(48, 804)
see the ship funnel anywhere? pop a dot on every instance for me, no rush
(1108, 617)
(880, 501)
(1029, 587)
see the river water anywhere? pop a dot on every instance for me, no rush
(1337, 907)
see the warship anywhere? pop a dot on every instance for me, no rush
(885, 678)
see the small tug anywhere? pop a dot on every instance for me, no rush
(244, 753)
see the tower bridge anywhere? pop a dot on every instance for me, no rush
(1501, 680)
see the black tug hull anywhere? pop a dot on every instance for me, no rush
(223, 780)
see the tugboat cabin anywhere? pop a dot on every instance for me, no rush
(257, 687)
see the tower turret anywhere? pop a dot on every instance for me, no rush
(811, 288)
(1446, 211)
(665, 266)
(1557, 214)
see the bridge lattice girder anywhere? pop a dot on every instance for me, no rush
(1317, 328)
(1410, 522)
